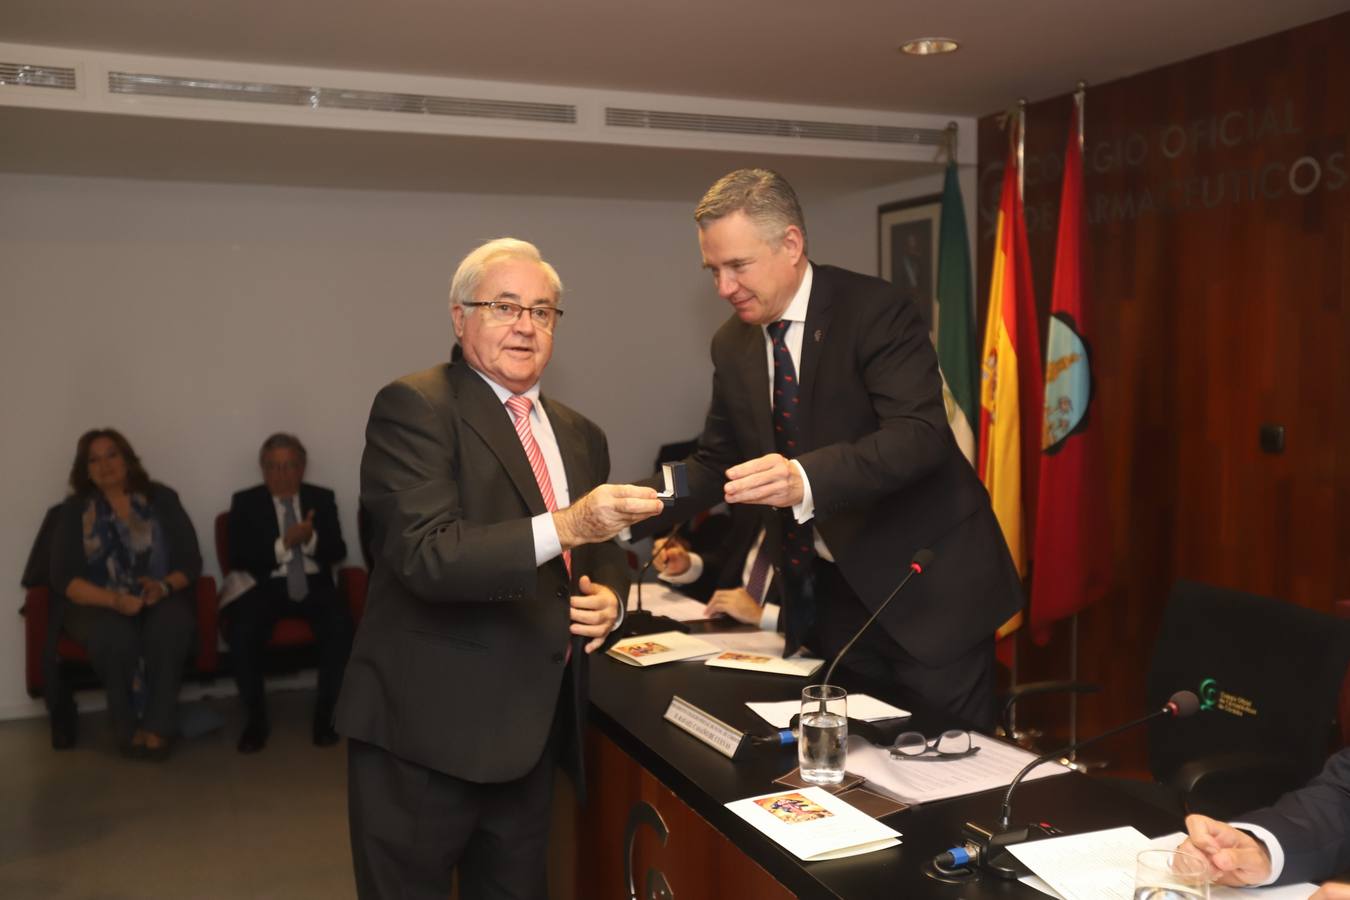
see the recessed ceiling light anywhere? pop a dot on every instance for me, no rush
(929, 46)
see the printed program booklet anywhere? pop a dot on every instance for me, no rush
(799, 666)
(654, 649)
(813, 825)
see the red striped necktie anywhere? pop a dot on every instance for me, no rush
(520, 416)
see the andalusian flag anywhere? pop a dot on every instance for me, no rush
(1010, 379)
(953, 323)
(1071, 542)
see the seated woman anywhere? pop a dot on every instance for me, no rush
(125, 556)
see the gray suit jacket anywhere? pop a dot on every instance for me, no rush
(1312, 824)
(460, 655)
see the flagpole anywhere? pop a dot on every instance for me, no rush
(1079, 98)
(1021, 169)
(1021, 146)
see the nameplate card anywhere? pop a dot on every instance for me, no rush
(708, 729)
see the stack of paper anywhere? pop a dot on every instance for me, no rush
(812, 824)
(919, 781)
(654, 649)
(860, 706)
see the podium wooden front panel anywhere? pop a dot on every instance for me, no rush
(696, 860)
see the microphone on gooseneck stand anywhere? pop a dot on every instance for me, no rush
(639, 621)
(986, 847)
(922, 559)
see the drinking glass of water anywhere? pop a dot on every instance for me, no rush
(824, 732)
(1170, 875)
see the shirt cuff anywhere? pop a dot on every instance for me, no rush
(283, 554)
(806, 510)
(547, 544)
(1272, 847)
(768, 621)
(689, 575)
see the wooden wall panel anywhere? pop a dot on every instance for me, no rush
(1219, 275)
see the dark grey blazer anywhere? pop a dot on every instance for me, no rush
(460, 655)
(886, 475)
(1312, 824)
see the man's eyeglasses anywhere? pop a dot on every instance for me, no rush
(949, 745)
(504, 312)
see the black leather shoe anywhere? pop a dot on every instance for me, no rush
(64, 719)
(254, 737)
(325, 736)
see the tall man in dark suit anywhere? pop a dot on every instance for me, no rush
(1305, 836)
(285, 534)
(495, 577)
(827, 405)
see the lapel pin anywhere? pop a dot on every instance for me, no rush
(819, 334)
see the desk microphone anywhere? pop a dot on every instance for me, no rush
(921, 561)
(986, 846)
(639, 621)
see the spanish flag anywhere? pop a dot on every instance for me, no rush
(1010, 381)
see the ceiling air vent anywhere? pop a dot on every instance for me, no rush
(337, 98)
(760, 127)
(32, 75)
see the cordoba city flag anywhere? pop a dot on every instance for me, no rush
(1072, 565)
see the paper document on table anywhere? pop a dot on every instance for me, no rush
(662, 600)
(814, 824)
(654, 649)
(1098, 865)
(919, 781)
(860, 706)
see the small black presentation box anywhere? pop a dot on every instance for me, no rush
(677, 482)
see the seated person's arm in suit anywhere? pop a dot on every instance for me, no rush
(1305, 836)
(253, 534)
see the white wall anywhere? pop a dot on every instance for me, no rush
(198, 318)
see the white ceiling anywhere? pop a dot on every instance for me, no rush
(783, 50)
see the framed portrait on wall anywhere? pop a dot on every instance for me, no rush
(907, 249)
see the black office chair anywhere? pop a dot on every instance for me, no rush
(1269, 676)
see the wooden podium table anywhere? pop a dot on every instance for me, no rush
(678, 785)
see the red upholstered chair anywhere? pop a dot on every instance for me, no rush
(37, 619)
(295, 631)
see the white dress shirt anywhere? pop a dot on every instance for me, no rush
(547, 544)
(768, 620)
(795, 315)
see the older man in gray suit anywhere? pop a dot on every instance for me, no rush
(496, 576)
